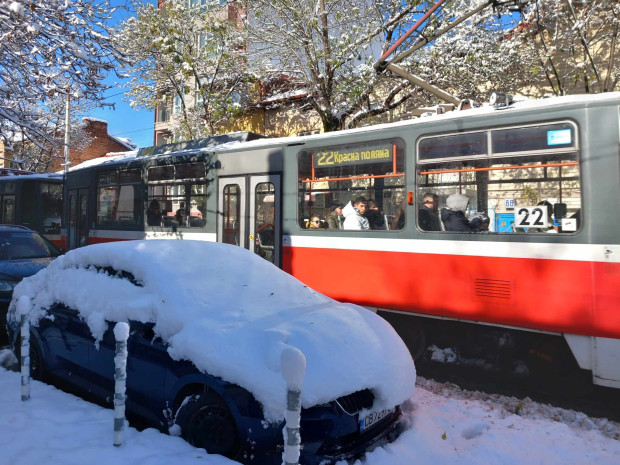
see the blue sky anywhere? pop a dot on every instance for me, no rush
(123, 121)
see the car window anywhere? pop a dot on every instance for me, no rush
(24, 244)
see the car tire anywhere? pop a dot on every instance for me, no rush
(37, 365)
(206, 422)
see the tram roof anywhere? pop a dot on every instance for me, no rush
(11, 177)
(247, 141)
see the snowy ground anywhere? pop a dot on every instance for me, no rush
(446, 426)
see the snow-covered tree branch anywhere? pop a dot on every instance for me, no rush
(49, 48)
(191, 59)
(575, 43)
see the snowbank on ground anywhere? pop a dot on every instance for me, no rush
(232, 314)
(446, 426)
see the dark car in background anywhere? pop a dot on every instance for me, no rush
(23, 252)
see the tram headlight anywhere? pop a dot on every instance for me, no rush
(7, 286)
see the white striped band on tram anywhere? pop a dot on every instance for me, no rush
(530, 250)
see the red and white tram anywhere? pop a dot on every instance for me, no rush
(543, 281)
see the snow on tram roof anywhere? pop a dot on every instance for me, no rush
(232, 141)
(41, 176)
(110, 158)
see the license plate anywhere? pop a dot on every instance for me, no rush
(373, 418)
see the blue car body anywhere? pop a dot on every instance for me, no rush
(157, 384)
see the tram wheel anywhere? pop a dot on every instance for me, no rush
(552, 362)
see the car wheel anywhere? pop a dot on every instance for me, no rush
(37, 366)
(207, 423)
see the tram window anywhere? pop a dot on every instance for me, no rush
(231, 214)
(531, 138)
(180, 200)
(119, 200)
(161, 173)
(7, 188)
(453, 146)
(51, 207)
(29, 205)
(190, 171)
(339, 174)
(537, 193)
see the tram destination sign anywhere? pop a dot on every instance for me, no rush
(353, 156)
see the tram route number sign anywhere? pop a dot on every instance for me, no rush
(355, 156)
(532, 217)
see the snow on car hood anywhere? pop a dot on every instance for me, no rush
(231, 313)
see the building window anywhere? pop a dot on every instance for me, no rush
(163, 113)
(177, 106)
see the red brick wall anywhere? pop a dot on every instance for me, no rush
(100, 145)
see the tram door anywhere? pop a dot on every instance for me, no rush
(78, 218)
(248, 214)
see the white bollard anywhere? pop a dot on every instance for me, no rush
(121, 334)
(25, 357)
(293, 363)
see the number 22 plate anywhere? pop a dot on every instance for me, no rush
(528, 217)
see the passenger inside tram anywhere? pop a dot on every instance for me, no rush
(428, 214)
(153, 214)
(314, 222)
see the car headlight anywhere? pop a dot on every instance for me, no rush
(7, 286)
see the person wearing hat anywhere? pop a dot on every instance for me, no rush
(335, 218)
(453, 216)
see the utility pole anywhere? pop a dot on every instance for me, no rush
(67, 112)
(65, 194)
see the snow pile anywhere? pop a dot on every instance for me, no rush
(232, 314)
(526, 408)
(56, 428)
(449, 427)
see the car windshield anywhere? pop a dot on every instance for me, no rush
(24, 244)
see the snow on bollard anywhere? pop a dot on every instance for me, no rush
(25, 355)
(293, 365)
(121, 334)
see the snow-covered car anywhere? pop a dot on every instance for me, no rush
(208, 323)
